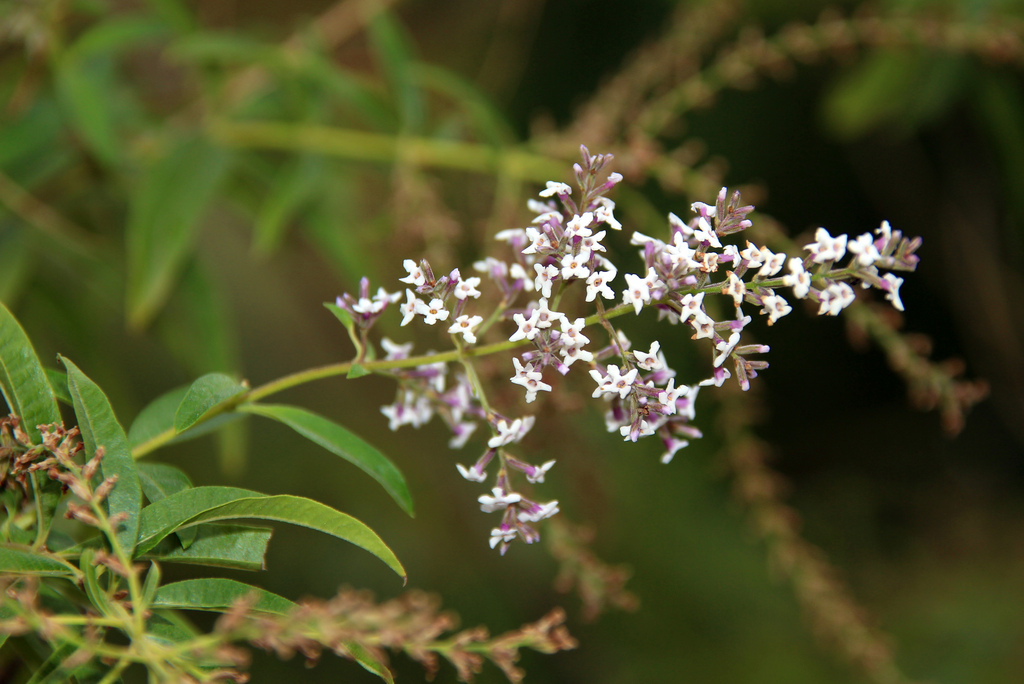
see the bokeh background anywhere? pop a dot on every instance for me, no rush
(927, 529)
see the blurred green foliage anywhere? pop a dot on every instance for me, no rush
(182, 184)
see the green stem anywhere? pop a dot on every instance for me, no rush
(380, 147)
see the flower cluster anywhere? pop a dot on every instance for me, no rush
(563, 246)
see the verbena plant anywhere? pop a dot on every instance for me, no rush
(84, 600)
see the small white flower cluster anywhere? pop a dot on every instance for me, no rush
(563, 245)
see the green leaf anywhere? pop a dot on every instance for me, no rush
(17, 262)
(51, 670)
(30, 396)
(159, 518)
(293, 186)
(218, 594)
(84, 87)
(344, 316)
(159, 481)
(22, 562)
(59, 384)
(205, 398)
(238, 547)
(152, 583)
(114, 35)
(91, 582)
(356, 371)
(215, 504)
(22, 378)
(486, 118)
(157, 417)
(100, 428)
(392, 50)
(174, 14)
(163, 221)
(369, 661)
(340, 442)
(199, 304)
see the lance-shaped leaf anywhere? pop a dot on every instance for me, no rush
(238, 547)
(216, 504)
(22, 378)
(164, 219)
(28, 393)
(156, 417)
(340, 442)
(23, 562)
(205, 398)
(59, 384)
(159, 481)
(218, 594)
(100, 428)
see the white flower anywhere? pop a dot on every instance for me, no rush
(775, 306)
(415, 276)
(411, 307)
(493, 267)
(864, 248)
(502, 535)
(705, 233)
(681, 254)
(736, 288)
(509, 433)
(510, 235)
(614, 382)
(572, 333)
(652, 360)
(884, 233)
(471, 473)
(752, 255)
(603, 214)
(691, 306)
(517, 272)
(554, 188)
(705, 209)
(545, 317)
(465, 325)
(704, 325)
(645, 430)
(773, 262)
(798, 278)
(467, 288)
(463, 431)
(835, 298)
(432, 312)
(499, 500)
(593, 243)
(545, 276)
(394, 350)
(575, 266)
(674, 444)
(679, 226)
(638, 290)
(892, 288)
(597, 284)
(725, 348)
(825, 247)
(668, 396)
(571, 354)
(537, 474)
(542, 511)
(530, 379)
(577, 227)
(527, 327)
